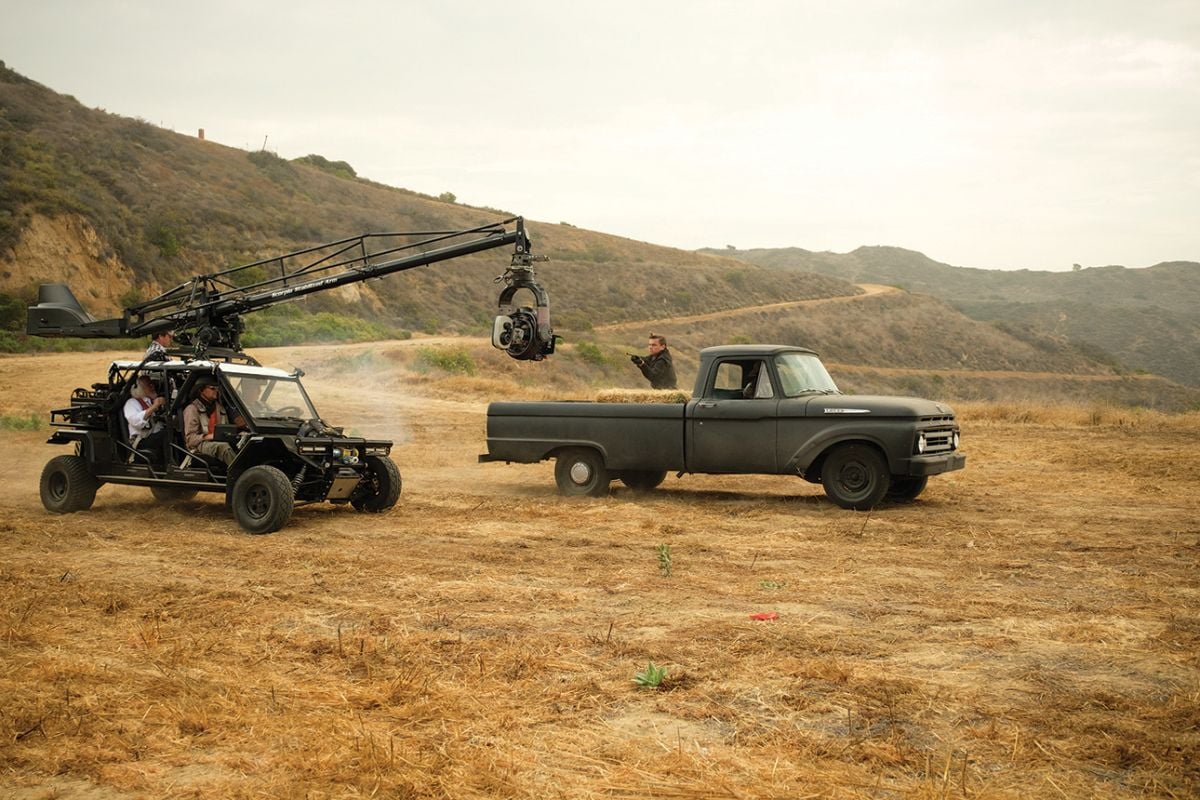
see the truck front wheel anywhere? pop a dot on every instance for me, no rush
(384, 486)
(855, 476)
(262, 499)
(642, 480)
(580, 472)
(68, 485)
(906, 487)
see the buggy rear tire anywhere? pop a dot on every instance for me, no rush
(173, 494)
(263, 499)
(67, 485)
(855, 476)
(385, 486)
(580, 472)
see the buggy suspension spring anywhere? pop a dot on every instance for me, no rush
(299, 479)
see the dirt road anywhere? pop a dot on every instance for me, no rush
(1028, 628)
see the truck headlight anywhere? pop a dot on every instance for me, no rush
(921, 443)
(956, 440)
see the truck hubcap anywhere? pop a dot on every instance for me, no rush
(581, 473)
(854, 478)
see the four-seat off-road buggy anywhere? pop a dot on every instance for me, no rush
(284, 453)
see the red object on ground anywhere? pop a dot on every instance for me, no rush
(765, 615)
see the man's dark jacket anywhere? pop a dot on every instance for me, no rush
(659, 370)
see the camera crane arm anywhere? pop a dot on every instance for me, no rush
(206, 311)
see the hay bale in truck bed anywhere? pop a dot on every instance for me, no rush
(642, 396)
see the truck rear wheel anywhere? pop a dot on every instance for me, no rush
(855, 476)
(643, 480)
(385, 486)
(580, 472)
(263, 499)
(68, 485)
(906, 487)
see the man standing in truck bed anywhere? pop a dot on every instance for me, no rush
(657, 367)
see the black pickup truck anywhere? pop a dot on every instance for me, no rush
(756, 409)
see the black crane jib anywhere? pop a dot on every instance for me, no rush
(206, 311)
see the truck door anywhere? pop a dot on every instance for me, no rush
(732, 427)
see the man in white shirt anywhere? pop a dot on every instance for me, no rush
(146, 427)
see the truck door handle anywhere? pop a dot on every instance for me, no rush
(706, 405)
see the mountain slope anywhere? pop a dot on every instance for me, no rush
(1144, 319)
(122, 210)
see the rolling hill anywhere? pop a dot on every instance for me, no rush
(121, 210)
(1144, 319)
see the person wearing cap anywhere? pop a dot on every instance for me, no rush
(159, 342)
(657, 367)
(146, 428)
(201, 418)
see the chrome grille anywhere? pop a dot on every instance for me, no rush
(937, 440)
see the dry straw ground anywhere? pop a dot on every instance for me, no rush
(1028, 628)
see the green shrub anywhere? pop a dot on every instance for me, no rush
(338, 168)
(589, 352)
(450, 360)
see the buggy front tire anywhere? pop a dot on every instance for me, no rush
(263, 499)
(68, 485)
(384, 487)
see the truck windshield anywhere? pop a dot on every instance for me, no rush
(274, 398)
(802, 373)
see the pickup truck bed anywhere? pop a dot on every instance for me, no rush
(756, 409)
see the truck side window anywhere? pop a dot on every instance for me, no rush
(728, 380)
(762, 386)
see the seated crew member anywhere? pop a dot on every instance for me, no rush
(200, 420)
(146, 428)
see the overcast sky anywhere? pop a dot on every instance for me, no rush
(1002, 134)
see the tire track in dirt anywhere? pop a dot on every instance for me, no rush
(869, 289)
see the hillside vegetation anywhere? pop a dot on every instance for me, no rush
(1144, 319)
(122, 210)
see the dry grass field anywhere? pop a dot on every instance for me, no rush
(1030, 627)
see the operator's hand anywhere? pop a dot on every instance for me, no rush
(636, 359)
(158, 403)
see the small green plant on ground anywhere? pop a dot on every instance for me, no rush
(771, 584)
(17, 422)
(664, 559)
(651, 677)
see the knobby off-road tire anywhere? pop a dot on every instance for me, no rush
(68, 485)
(384, 476)
(580, 472)
(173, 494)
(855, 476)
(263, 499)
(906, 487)
(643, 480)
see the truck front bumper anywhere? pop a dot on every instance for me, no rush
(935, 465)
